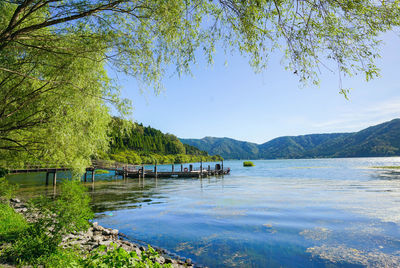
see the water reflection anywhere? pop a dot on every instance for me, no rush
(281, 213)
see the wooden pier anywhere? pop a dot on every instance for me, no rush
(182, 173)
(133, 171)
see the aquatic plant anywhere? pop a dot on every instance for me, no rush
(248, 164)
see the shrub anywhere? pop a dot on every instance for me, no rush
(118, 257)
(7, 190)
(38, 242)
(11, 223)
(248, 164)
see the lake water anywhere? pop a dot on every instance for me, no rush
(280, 213)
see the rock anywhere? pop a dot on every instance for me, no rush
(169, 260)
(95, 224)
(127, 243)
(188, 261)
(15, 200)
(142, 248)
(74, 243)
(160, 259)
(98, 228)
(97, 233)
(106, 232)
(114, 232)
(21, 210)
(91, 244)
(123, 235)
(138, 251)
(97, 238)
(126, 247)
(106, 243)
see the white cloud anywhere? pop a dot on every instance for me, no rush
(356, 119)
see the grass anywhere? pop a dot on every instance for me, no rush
(248, 164)
(11, 223)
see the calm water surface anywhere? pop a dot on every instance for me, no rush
(280, 213)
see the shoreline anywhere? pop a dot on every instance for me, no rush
(98, 235)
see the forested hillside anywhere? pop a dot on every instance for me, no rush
(135, 144)
(230, 148)
(379, 140)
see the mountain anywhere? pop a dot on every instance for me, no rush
(230, 148)
(379, 140)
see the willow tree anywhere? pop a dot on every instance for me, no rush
(45, 43)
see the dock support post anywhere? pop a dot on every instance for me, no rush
(209, 170)
(181, 168)
(93, 171)
(201, 167)
(47, 178)
(222, 166)
(155, 169)
(190, 168)
(142, 171)
(55, 178)
(173, 166)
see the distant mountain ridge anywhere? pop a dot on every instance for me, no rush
(378, 140)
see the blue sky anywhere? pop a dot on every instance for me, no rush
(232, 101)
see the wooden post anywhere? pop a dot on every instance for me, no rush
(173, 167)
(190, 168)
(124, 170)
(201, 167)
(55, 178)
(142, 171)
(222, 166)
(47, 178)
(209, 170)
(181, 168)
(155, 169)
(93, 172)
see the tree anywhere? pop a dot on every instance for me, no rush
(43, 41)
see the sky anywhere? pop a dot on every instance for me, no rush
(231, 100)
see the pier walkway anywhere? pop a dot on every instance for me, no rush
(132, 171)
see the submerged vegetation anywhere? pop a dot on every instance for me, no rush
(387, 167)
(248, 164)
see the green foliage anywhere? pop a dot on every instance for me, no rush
(7, 190)
(248, 164)
(135, 144)
(39, 241)
(132, 157)
(3, 172)
(11, 224)
(127, 135)
(118, 257)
